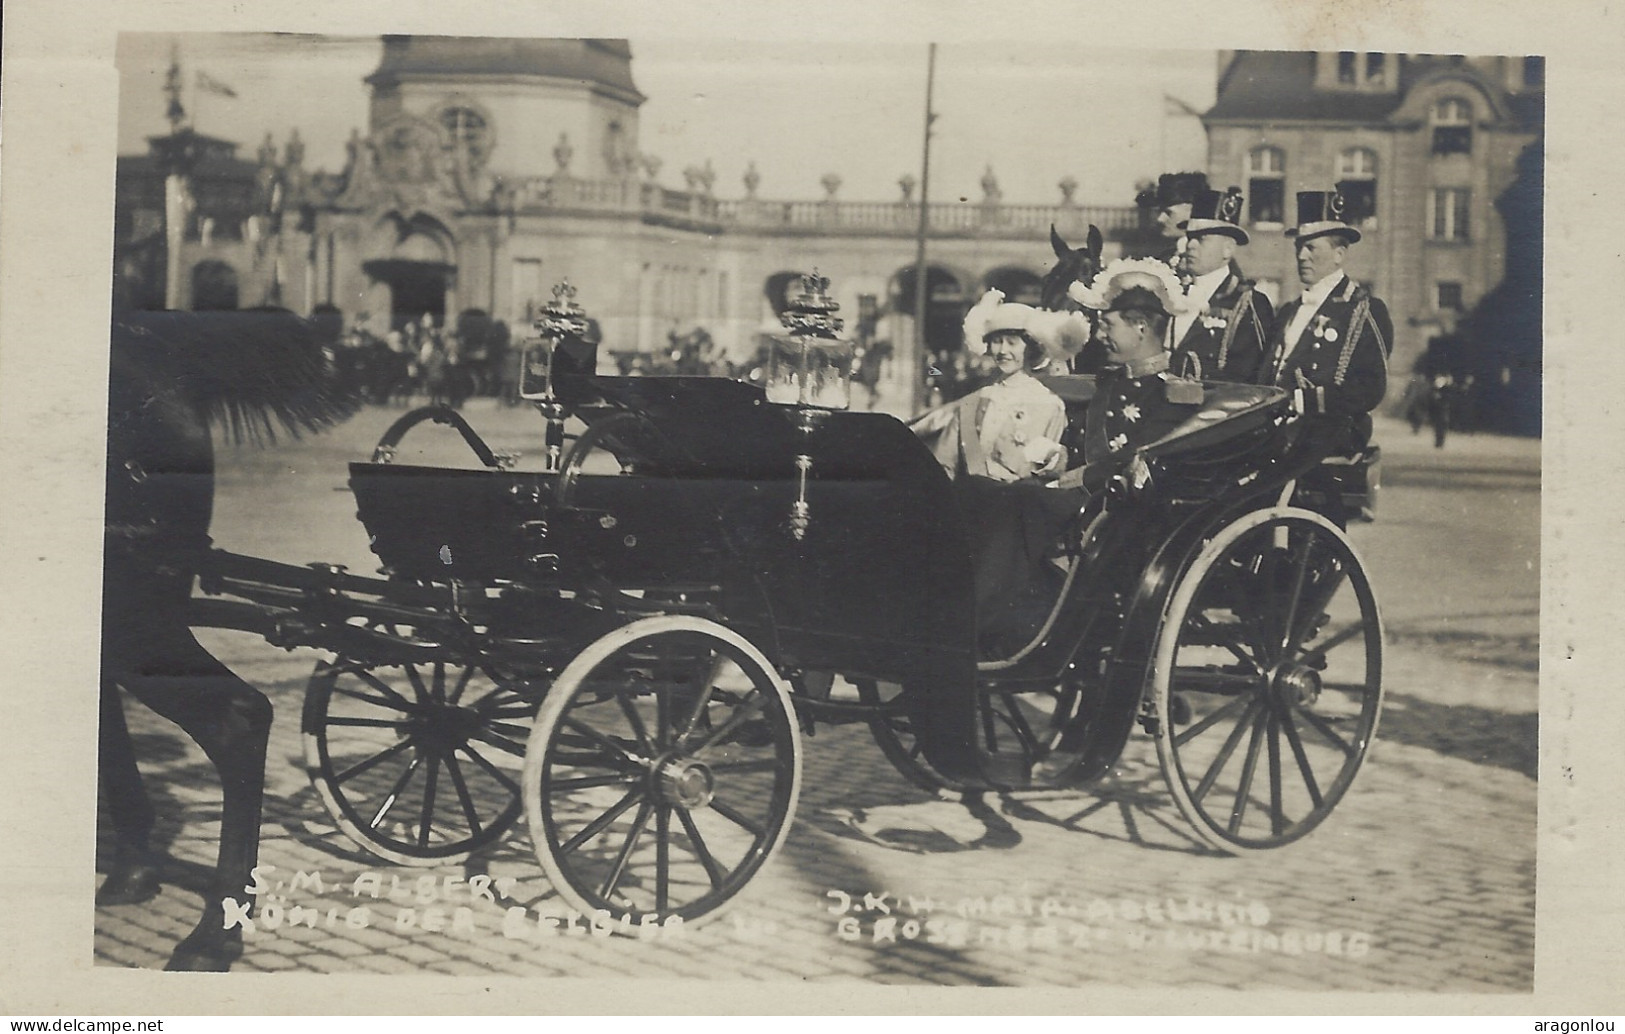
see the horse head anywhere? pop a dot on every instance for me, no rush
(1072, 264)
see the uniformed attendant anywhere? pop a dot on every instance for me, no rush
(1172, 198)
(1223, 334)
(1330, 347)
(1137, 400)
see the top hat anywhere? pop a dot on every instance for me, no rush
(1061, 334)
(1320, 214)
(1173, 188)
(1213, 212)
(1144, 284)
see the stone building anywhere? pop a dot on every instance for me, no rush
(1430, 149)
(491, 169)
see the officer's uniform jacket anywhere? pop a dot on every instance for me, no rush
(1129, 412)
(1226, 341)
(1339, 362)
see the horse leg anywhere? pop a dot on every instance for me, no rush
(231, 722)
(134, 876)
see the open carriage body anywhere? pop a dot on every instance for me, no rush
(628, 649)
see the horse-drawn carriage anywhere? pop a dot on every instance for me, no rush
(628, 646)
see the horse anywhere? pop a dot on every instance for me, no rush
(1074, 265)
(171, 374)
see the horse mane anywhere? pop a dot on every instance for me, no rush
(251, 372)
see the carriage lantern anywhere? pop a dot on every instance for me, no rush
(810, 365)
(543, 358)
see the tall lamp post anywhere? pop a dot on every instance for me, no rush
(920, 278)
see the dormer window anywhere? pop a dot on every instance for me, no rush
(1534, 72)
(1376, 66)
(1346, 64)
(1452, 120)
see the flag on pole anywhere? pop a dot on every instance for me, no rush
(209, 83)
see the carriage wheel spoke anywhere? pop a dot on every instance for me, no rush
(395, 792)
(366, 723)
(1304, 767)
(636, 721)
(662, 857)
(598, 825)
(617, 870)
(588, 782)
(712, 869)
(395, 704)
(616, 750)
(1328, 645)
(747, 709)
(501, 743)
(663, 727)
(464, 798)
(737, 817)
(418, 688)
(702, 698)
(495, 773)
(1249, 768)
(756, 765)
(1211, 720)
(1229, 748)
(368, 764)
(1204, 680)
(1299, 571)
(1024, 731)
(385, 688)
(430, 779)
(462, 684)
(1228, 641)
(1273, 741)
(439, 687)
(1325, 729)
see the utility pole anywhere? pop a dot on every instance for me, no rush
(920, 291)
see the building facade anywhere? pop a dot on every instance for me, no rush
(1430, 150)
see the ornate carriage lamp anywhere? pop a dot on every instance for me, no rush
(810, 369)
(561, 325)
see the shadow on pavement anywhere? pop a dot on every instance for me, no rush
(1463, 731)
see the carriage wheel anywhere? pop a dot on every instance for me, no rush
(1268, 680)
(895, 736)
(663, 771)
(420, 762)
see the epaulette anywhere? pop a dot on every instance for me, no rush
(1183, 392)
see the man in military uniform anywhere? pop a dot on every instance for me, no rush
(1137, 400)
(1171, 199)
(1222, 335)
(1330, 347)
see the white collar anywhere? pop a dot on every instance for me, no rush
(1209, 283)
(1321, 289)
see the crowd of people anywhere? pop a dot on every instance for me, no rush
(423, 360)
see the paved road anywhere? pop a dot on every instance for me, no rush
(1423, 879)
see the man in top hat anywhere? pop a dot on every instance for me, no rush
(1222, 335)
(1137, 399)
(1172, 198)
(1330, 346)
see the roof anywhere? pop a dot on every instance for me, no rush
(1261, 85)
(602, 62)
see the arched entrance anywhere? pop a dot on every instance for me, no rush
(1020, 286)
(214, 286)
(948, 367)
(418, 272)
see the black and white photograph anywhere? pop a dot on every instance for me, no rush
(858, 512)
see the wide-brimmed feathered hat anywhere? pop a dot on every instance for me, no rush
(1061, 334)
(1173, 188)
(1132, 284)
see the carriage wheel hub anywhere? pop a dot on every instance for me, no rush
(1297, 684)
(685, 781)
(443, 727)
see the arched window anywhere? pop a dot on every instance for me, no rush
(1266, 185)
(1452, 120)
(214, 286)
(1357, 180)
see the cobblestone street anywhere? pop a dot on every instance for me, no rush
(1423, 879)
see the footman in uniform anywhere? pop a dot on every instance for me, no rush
(1223, 334)
(1171, 199)
(1330, 347)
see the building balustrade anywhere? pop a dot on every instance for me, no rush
(555, 194)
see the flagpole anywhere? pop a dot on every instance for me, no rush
(919, 240)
